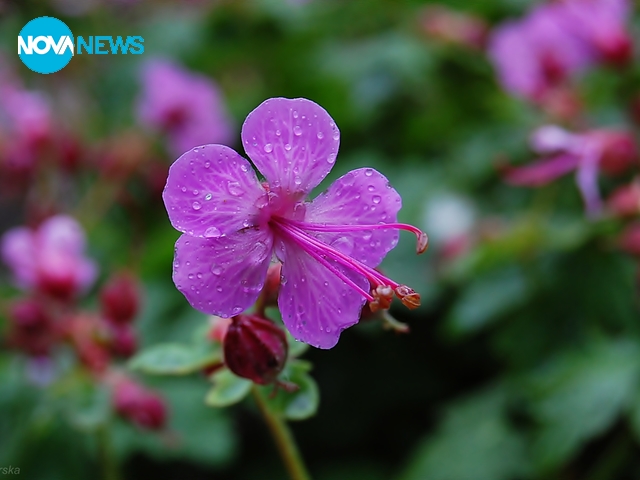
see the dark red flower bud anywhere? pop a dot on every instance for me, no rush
(255, 348)
(139, 405)
(629, 239)
(625, 200)
(57, 283)
(619, 152)
(120, 299)
(616, 50)
(124, 342)
(32, 330)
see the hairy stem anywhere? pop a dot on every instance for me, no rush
(284, 439)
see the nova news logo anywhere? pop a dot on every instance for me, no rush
(46, 45)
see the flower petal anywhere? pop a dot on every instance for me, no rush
(543, 171)
(222, 276)
(587, 180)
(293, 142)
(361, 197)
(62, 233)
(212, 191)
(315, 304)
(19, 253)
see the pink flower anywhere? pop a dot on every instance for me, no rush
(186, 106)
(537, 53)
(585, 153)
(233, 225)
(139, 405)
(50, 259)
(600, 24)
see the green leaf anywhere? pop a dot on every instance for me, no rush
(176, 359)
(579, 395)
(475, 442)
(300, 404)
(227, 389)
(488, 297)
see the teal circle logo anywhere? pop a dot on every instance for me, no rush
(45, 45)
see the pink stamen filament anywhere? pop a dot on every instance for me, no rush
(330, 267)
(319, 227)
(306, 241)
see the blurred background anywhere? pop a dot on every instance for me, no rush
(508, 127)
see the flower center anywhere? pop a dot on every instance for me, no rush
(382, 288)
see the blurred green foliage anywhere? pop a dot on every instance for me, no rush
(523, 362)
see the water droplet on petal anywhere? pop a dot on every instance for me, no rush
(216, 270)
(295, 114)
(234, 189)
(212, 232)
(219, 288)
(371, 188)
(184, 189)
(376, 199)
(336, 135)
(297, 180)
(207, 164)
(190, 276)
(268, 148)
(368, 172)
(287, 147)
(331, 158)
(196, 205)
(244, 168)
(195, 192)
(208, 196)
(297, 131)
(278, 133)
(320, 135)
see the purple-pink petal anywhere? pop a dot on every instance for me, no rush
(587, 180)
(543, 171)
(19, 254)
(292, 142)
(222, 276)
(361, 197)
(315, 304)
(62, 233)
(212, 191)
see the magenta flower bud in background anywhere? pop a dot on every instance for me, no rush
(255, 348)
(629, 239)
(123, 341)
(120, 298)
(50, 258)
(625, 200)
(185, 106)
(137, 404)
(31, 329)
(233, 225)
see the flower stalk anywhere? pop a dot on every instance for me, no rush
(283, 438)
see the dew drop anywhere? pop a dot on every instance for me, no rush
(287, 147)
(199, 275)
(297, 180)
(190, 276)
(371, 188)
(184, 189)
(234, 189)
(376, 199)
(295, 114)
(212, 232)
(268, 148)
(196, 205)
(207, 164)
(216, 270)
(331, 158)
(244, 168)
(336, 135)
(320, 135)
(368, 172)
(219, 288)
(208, 196)
(278, 133)
(195, 192)
(297, 131)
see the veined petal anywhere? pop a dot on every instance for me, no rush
(212, 191)
(293, 142)
(361, 197)
(222, 276)
(315, 304)
(543, 171)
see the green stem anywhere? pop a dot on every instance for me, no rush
(284, 439)
(105, 452)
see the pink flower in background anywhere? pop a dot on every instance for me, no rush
(186, 106)
(138, 404)
(50, 259)
(586, 153)
(601, 25)
(537, 53)
(233, 225)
